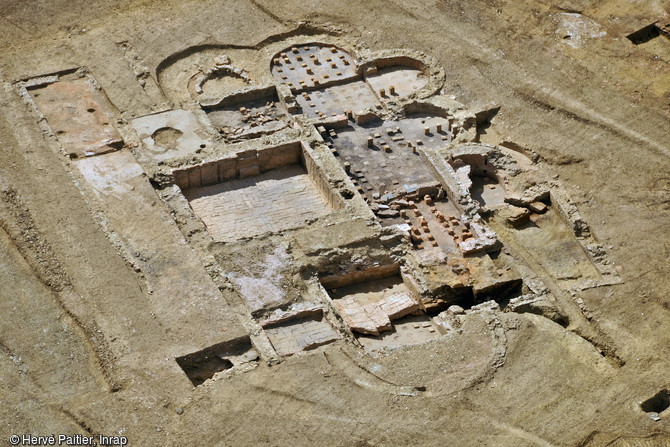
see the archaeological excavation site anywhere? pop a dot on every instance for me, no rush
(257, 223)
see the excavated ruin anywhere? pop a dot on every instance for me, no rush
(333, 139)
(304, 218)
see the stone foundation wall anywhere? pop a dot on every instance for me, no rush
(317, 174)
(244, 164)
(358, 276)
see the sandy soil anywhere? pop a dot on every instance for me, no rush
(82, 350)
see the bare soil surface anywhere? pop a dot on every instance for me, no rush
(86, 346)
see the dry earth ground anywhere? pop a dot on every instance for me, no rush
(595, 109)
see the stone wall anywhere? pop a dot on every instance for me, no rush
(317, 174)
(243, 97)
(243, 164)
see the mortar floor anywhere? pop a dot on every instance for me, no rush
(277, 200)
